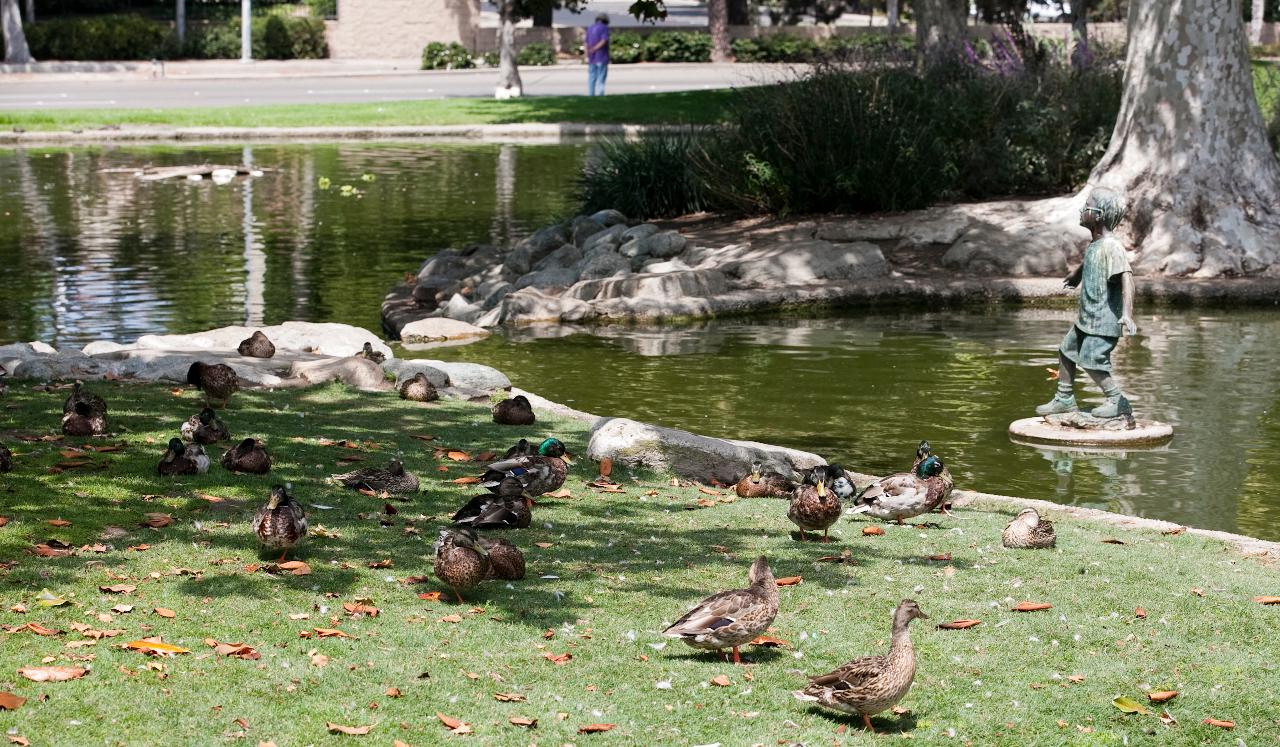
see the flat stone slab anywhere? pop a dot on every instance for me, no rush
(1078, 429)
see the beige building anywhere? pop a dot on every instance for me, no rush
(389, 29)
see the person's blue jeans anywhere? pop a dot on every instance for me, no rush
(596, 74)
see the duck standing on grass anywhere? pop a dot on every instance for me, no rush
(280, 524)
(256, 346)
(84, 413)
(871, 684)
(906, 494)
(1027, 531)
(216, 380)
(247, 456)
(183, 459)
(393, 478)
(539, 473)
(813, 505)
(510, 508)
(761, 484)
(461, 560)
(514, 411)
(731, 618)
(205, 427)
(419, 389)
(923, 452)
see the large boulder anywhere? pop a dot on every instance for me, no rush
(610, 238)
(609, 217)
(583, 228)
(801, 262)
(605, 264)
(439, 328)
(642, 231)
(535, 305)
(468, 376)
(686, 454)
(354, 372)
(655, 288)
(663, 245)
(557, 277)
(566, 256)
(321, 338)
(532, 249)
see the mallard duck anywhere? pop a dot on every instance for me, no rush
(841, 485)
(514, 411)
(522, 448)
(871, 684)
(280, 524)
(539, 473)
(1027, 531)
(205, 427)
(461, 561)
(393, 478)
(183, 459)
(731, 618)
(369, 354)
(505, 559)
(247, 456)
(923, 452)
(509, 508)
(761, 484)
(216, 380)
(257, 346)
(906, 494)
(419, 389)
(813, 505)
(6, 459)
(84, 413)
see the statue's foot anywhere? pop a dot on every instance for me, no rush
(1114, 407)
(1058, 405)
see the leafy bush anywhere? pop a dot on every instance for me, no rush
(490, 59)
(323, 8)
(537, 53)
(626, 47)
(306, 37)
(776, 48)
(107, 37)
(303, 39)
(276, 44)
(652, 176)
(451, 56)
(676, 46)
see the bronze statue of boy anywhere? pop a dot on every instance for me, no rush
(1106, 310)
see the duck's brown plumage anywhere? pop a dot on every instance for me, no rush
(419, 389)
(814, 507)
(205, 427)
(393, 478)
(368, 353)
(505, 559)
(514, 411)
(508, 509)
(84, 413)
(182, 459)
(257, 345)
(461, 562)
(217, 380)
(731, 618)
(247, 456)
(280, 524)
(761, 484)
(1028, 531)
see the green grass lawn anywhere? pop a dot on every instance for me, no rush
(690, 107)
(616, 568)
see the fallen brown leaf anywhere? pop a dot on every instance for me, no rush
(1219, 723)
(10, 702)
(959, 624)
(1075, 678)
(596, 728)
(235, 650)
(721, 680)
(561, 493)
(1198, 592)
(355, 608)
(1140, 613)
(392, 692)
(1174, 531)
(1031, 606)
(528, 723)
(606, 466)
(157, 520)
(544, 545)
(330, 633)
(430, 596)
(457, 726)
(768, 640)
(52, 674)
(450, 619)
(384, 563)
(19, 740)
(458, 456)
(941, 557)
(872, 531)
(468, 480)
(557, 658)
(58, 523)
(292, 567)
(508, 697)
(353, 731)
(1267, 600)
(156, 647)
(789, 580)
(1162, 696)
(118, 588)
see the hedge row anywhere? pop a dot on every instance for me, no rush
(133, 37)
(690, 46)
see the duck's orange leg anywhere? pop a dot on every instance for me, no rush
(736, 658)
(866, 721)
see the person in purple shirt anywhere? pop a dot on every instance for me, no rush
(597, 55)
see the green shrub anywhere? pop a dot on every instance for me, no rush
(451, 56)
(652, 176)
(276, 44)
(537, 54)
(676, 46)
(306, 38)
(491, 59)
(303, 39)
(107, 37)
(626, 47)
(323, 8)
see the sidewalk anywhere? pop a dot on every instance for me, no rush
(210, 69)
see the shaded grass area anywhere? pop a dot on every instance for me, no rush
(617, 569)
(684, 107)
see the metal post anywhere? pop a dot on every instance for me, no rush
(246, 31)
(181, 22)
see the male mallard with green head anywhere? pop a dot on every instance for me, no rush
(461, 561)
(731, 619)
(906, 494)
(539, 473)
(256, 346)
(419, 389)
(247, 456)
(84, 413)
(369, 354)
(505, 559)
(280, 524)
(1027, 531)
(869, 685)
(761, 484)
(393, 478)
(923, 452)
(509, 508)
(217, 380)
(514, 411)
(205, 427)
(183, 459)
(813, 505)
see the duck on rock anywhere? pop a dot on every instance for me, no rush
(419, 389)
(84, 413)
(257, 346)
(813, 504)
(217, 380)
(247, 456)
(369, 354)
(280, 524)
(183, 459)
(539, 473)
(514, 411)
(869, 685)
(761, 484)
(393, 478)
(906, 494)
(731, 619)
(205, 427)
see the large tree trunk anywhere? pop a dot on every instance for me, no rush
(509, 85)
(893, 11)
(940, 24)
(15, 42)
(1189, 148)
(718, 20)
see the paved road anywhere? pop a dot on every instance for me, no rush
(317, 84)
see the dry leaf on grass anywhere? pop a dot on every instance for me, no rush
(721, 680)
(768, 640)
(58, 523)
(544, 545)
(157, 520)
(392, 692)
(450, 619)
(1219, 723)
(1031, 606)
(872, 531)
(353, 731)
(330, 633)
(557, 658)
(606, 466)
(355, 608)
(789, 580)
(508, 697)
(1140, 613)
(596, 728)
(528, 723)
(165, 612)
(292, 567)
(469, 480)
(561, 493)
(1076, 678)
(50, 551)
(156, 647)
(52, 674)
(457, 726)
(959, 624)
(458, 456)
(118, 588)
(430, 596)
(236, 650)
(1267, 600)
(1129, 705)
(10, 702)
(1162, 696)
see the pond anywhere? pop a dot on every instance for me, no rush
(95, 254)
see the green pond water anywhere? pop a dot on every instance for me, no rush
(90, 254)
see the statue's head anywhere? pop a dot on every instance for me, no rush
(1104, 207)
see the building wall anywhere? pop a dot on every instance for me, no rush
(392, 29)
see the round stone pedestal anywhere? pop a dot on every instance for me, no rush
(1080, 429)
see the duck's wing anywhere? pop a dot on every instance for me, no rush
(715, 612)
(853, 674)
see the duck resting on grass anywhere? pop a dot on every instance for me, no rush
(217, 380)
(247, 456)
(906, 494)
(509, 508)
(84, 413)
(867, 686)
(1027, 531)
(205, 427)
(461, 560)
(183, 459)
(761, 484)
(419, 389)
(256, 346)
(505, 559)
(813, 504)
(280, 524)
(514, 411)
(393, 478)
(731, 619)
(539, 473)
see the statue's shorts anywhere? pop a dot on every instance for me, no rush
(1090, 352)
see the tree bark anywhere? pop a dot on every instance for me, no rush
(1189, 149)
(893, 11)
(1257, 11)
(718, 20)
(509, 85)
(939, 23)
(15, 42)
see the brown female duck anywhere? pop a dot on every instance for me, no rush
(461, 561)
(280, 524)
(813, 504)
(6, 459)
(1027, 531)
(509, 508)
(84, 413)
(393, 478)
(217, 380)
(419, 389)
(761, 484)
(505, 559)
(514, 411)
(247, 456)
(257, 346)
(205, 427)
(731, 618)
(369, 354)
